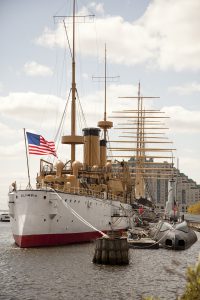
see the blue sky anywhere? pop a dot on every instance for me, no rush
(155, 42)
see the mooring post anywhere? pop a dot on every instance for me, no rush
(112, 250)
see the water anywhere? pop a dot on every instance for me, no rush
(68, 273)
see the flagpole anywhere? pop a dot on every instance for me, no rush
(29, 181)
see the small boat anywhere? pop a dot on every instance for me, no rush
(4, 218)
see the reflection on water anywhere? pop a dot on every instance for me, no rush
(68, 273)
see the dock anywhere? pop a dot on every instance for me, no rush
(194, 225)
(143, 243)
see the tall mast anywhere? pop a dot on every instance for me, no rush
(104, 130)
(105, 124)
(73, 139)
(139, 121)
(73, 108)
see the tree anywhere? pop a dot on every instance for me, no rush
(192, 289)
(194, 208)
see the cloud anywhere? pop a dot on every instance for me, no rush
(186, 89)
(34, 69)
(9, 134)
(123, 51)
(97, 7)
(13, 150)
(95, 111)
(182, 120)
(165, 37)
(31, 109)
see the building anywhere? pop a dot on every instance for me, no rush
(156, 185)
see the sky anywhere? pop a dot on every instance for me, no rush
(155, 42)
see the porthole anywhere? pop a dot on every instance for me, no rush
(65, 200)
(70, 200)
(57, 220)
(45, 197)
(44, 220)
(72, 220)
(16, 197)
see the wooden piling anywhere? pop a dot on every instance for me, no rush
(111, 251)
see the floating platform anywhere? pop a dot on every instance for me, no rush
(143, 243)
(194, 225)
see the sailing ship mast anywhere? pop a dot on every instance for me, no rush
(142, 120)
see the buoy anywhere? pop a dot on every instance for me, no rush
(111, 251)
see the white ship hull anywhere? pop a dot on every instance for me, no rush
(42, 218)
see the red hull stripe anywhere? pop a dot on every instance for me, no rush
(27, 241)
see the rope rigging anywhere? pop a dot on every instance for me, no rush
(79, 217)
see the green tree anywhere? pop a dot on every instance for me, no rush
(192, 289)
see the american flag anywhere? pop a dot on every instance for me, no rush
(39, 146)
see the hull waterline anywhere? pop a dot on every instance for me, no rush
(41, 218)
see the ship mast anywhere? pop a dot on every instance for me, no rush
(139, 123)
(105, 124)
(105, 95)
(73, 108)
(73, 139)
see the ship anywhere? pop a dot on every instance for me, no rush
(73, 202)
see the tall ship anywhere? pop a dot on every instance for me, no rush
(146, 148)
(73, 202)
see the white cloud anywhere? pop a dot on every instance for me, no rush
(34, 69)
(182, 120)
(166, 36)
(13, 150)
(95, 111)
(31, 109)
(186, 89)
(120, 51)
(189, 166)
(51, 38)
(98, 7)
(9, 134)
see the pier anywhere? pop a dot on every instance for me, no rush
(194, 225)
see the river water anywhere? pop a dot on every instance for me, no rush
(67, 272)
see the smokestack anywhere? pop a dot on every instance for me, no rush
(91, 147)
